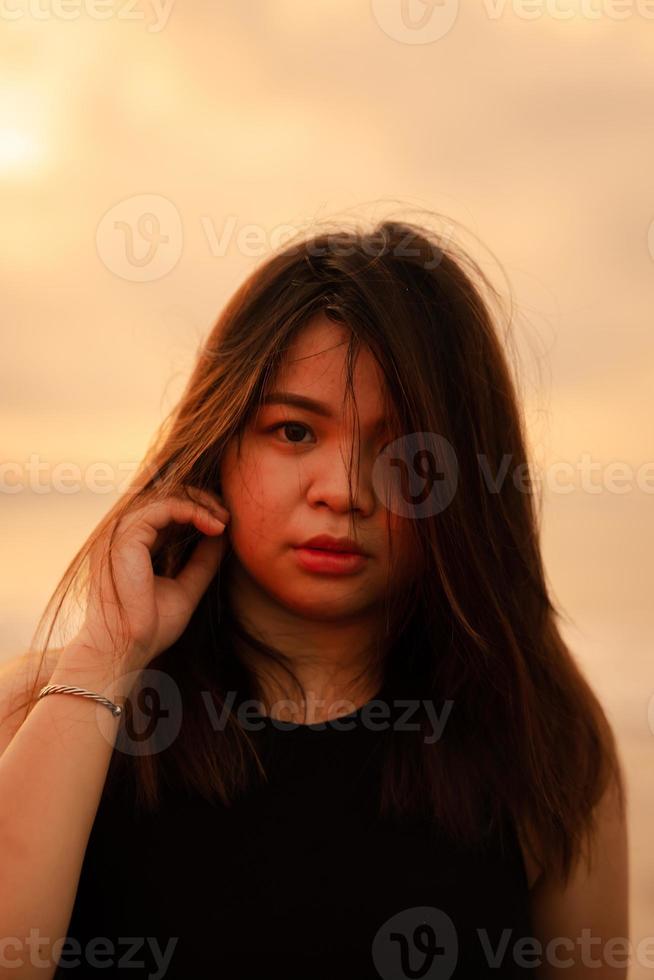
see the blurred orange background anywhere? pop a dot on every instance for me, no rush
(152, 154)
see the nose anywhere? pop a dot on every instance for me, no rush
(328, 485)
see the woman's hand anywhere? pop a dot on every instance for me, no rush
(157, 608)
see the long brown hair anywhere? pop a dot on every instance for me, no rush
(478, 627)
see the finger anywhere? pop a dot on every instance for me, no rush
(158, 515)
(211, 500)
(201, 567)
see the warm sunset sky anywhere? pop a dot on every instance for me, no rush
(227, 122)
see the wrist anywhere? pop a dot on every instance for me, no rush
(80, 665)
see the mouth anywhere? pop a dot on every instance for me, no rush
(330, 561)
(331, 551)
(325, 543)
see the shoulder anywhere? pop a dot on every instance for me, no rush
(595, 897)
(18, 676)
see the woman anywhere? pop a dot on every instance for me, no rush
(353, 741)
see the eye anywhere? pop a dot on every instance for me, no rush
(290, 425)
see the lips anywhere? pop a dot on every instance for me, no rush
(325, 542)
(330, 561)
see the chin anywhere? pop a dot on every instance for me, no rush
(324, 602)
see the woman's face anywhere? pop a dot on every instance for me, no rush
(290, 483)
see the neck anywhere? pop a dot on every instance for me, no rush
(337, 664)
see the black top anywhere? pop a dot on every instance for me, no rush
(299, 879)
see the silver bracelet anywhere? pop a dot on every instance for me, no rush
(115, 709)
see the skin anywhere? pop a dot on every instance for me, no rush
(291, 484)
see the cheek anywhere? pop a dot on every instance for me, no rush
(253, 541)
(259, 482)
(257, 517)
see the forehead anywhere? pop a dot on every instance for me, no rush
(316, 366)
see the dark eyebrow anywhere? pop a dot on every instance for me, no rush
(308, 404)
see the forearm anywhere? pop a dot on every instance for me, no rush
(51, 778)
